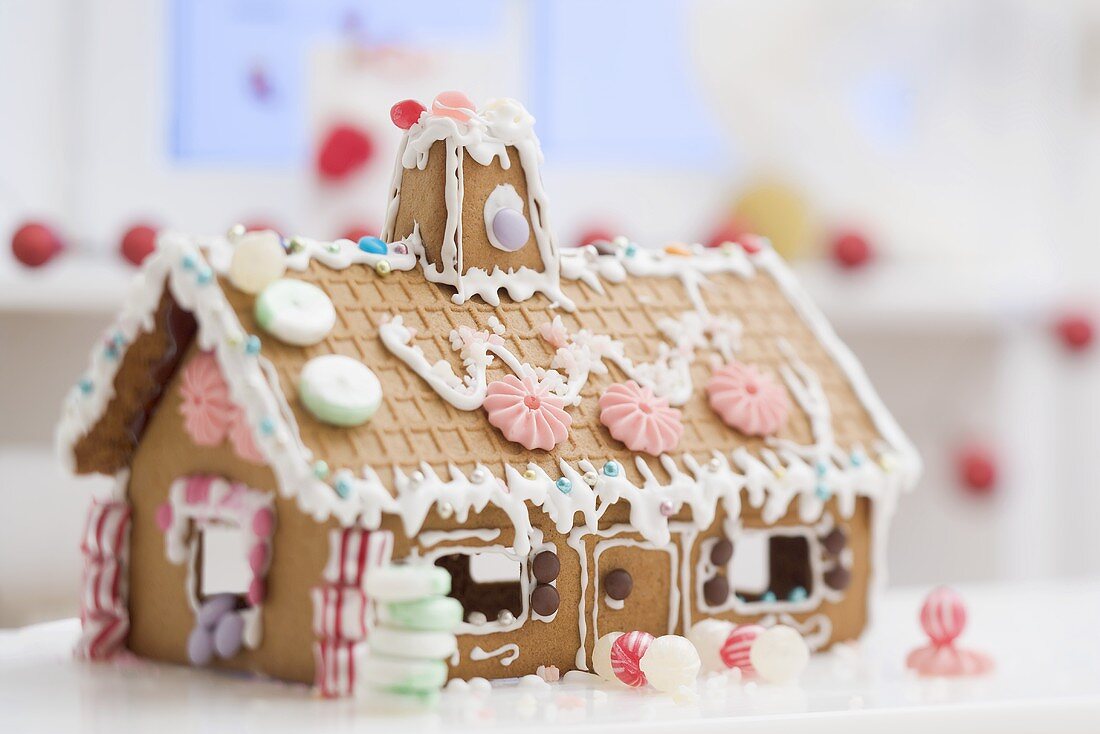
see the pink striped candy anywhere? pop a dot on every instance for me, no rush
(943, 615)
(626, 657)
(735, 650)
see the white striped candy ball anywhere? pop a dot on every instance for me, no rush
(626, 657)
(735, 650)
(943, 616)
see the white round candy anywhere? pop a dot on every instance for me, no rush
(417, 644)
(407, 583)
(601, 656)
(670, 662)
(708, 636)
(295, 312)
(779, 654)
(258, 259)
(339, 390)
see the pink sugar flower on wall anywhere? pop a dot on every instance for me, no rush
(206, 408)
(527, 413)
(640, 419)
(748, 400)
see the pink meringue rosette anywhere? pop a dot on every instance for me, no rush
(527, 412)
(206, 408)
(640, 419)
(748, 400)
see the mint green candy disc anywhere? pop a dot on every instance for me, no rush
(339, 390)
(295, 312)
(435, 614)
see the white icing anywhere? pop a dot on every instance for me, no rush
(507, 654)
(429, 538)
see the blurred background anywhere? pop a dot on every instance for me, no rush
(932, 168)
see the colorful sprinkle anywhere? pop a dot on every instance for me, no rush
(821, 468)
(252, 345)
(856, 458)
(678, 249)
(530, 475)
(295, 245)
(822, 492)
(564, 485)
(85, 386)
(611, 469)
(373, 245)
(343, 487)
(401, 249)
(332, 247)
(667, 509)
(769, 596)
(188, 262)
(382, 267)
(631, 250)
(797, 594)
(320, 469)
(204, 276)
(267, 426)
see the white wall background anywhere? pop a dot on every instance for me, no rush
(986, 217)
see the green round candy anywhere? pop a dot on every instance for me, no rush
(435, 614)
(404, 675)
(295, 312)
(339, 390)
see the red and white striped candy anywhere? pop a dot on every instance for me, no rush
(626, 657)
(943, 615)
(735, 650)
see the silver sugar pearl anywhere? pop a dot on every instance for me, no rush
(667, 509)
(590, 478)
(714, 465)
(445, 510)
(476, 618)
(506, 617)
(477, 476)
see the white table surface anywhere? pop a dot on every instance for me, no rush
(1044, 638)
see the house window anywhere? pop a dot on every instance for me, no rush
(223, 560)
(768, 567)
(488, 584)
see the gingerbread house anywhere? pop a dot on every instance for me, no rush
(604, 438)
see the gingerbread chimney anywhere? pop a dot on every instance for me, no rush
(467, 197)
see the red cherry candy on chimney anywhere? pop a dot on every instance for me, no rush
(852, 250)
(1076, 331)
(358, 232)
(595, 234)
(344, 151)
(406, 113)
(138, 243)
(34, 244)
(977, 469)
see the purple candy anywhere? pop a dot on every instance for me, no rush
(510, 228)
(228, 635)
(213, 608)
(200, 646)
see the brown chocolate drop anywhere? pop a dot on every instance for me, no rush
(716, 591)
(546, 567)
(618, 584)
(545, 600)
(838, 578)
(721, 552)
(835, 541)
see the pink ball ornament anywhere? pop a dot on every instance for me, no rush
(943, 616)
(1076, 331)
(626, 657)
(455, 105)
(738, 646)
(138, 243)
(34, 244)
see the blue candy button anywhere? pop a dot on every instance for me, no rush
(373, 245)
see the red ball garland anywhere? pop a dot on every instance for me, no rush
(138, 243)
(34, 244)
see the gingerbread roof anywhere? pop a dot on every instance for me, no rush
(419, 447)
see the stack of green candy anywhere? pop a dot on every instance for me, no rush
(413, 635)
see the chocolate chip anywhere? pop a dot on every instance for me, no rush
(716, 591)
(838, 578)
(546, 567)
(721, 552)
(835, 541)
(618, 584)
(545, 600)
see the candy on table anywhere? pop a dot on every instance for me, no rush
(735, 651)
(943, 618)
(258, 260)
(709, 636)
(626, 657)
(671, 664)
(295, 312)
(339, 390)
(414, 635)
(779, 654)
(601, 656)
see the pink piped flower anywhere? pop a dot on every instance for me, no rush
(640, 419)
(243, 439)
(455, 105)
(527, 413)
(748, 400)
(554, 333)
(206, 408)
